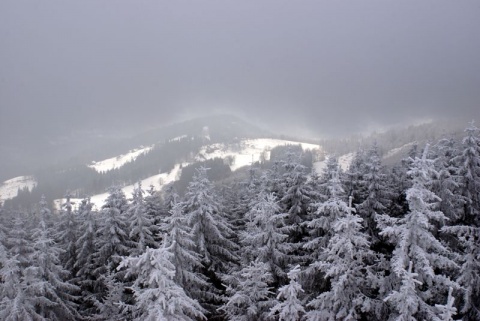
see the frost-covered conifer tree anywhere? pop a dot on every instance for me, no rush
(10, 276)
(297, 200)
(211, 235)
(405, 301)
(86, 263)
(154, 209)
(470, 175)
(113, 241)
(447, 183)
(209, 228)
(157, 296)
(142, 226)
(289, 307)
(347, 263)
(326, 214)
(53, 295)
(67, 231)
(266, 235)
(15, 303)
(376, 195)
(416, 243)
(250, 298)
(185, 260)
(18, 242)
(111, 307)
(467, 230)
(332, 170)
(353, 177)
(448, 310)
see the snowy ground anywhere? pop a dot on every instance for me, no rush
(246, 152)
(241, 154)
(178, 138)
(157, 181)
(395, 151)
(117, 162)
(344, 161)
(9, 188)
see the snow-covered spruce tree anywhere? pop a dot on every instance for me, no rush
(289, 307)
(113, 231)
(236, 200)
(448, 310)
(67, 235)
(376, 197)
(467, 229)
(14, 304)
(157, 296)
(447, 183)
(347, 263)
(112, 243)
(405, 301)
(272, 179)
(209, 229)
(185, 260)
(470, 175)
(142, 226)
(3, 240)
(155, 209)
(250, 297)
(353, 177)
(416, 243)
(266, 236)
(112, 307)
(327, 212)
(320, 228)
(47, 286)
(297, 200)
(332, 170)
(18, 241)
(211, 233)
(469, 274)
(86, 263)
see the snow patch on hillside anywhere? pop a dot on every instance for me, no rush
(178, 138)
(9, 188)
(117, 162)
(235, 155)
(397, 150)
(344, 162)
(247, 151)
(157, 181)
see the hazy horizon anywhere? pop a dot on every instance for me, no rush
(313, 68)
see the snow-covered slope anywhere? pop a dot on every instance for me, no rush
(9, 188)
(344, 161)
(237, 155)
(247, 151)
(117, 162)
(157, 181)
(399, 150)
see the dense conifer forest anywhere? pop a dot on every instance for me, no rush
(373, 242)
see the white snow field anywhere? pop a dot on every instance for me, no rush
(9, 188)
(344, 161)
(238, 155)
(178, 138)
(397, 150)
(157, 181)
(247, 151)
(118, 161)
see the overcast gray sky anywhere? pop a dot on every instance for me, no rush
(327, 66)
